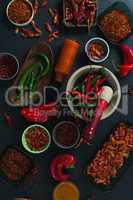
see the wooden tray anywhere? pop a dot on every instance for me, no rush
(40, 47)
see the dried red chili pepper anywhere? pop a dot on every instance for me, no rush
(56, 19)
(44, 2)
(40, 113)
(48, 27)
(51, 12)
(61, 162)
(35, 26)
(36, 6)
(8, 119)
(27, 33)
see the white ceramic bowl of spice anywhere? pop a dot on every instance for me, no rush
(97, 49)
(20, 12)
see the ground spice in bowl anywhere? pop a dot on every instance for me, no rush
(37, 138)
(9, 66)
(66, 135)
(19, 12)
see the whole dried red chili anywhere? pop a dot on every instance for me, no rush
(51, 12)
(40, 113)
(48, 27)
(36, 6)
(8, 119)
(44, 2)
(27, 33)
(35, 26)
(61, 162)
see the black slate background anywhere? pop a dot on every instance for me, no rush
(42, 186)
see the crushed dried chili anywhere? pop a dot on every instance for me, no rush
(20, 11)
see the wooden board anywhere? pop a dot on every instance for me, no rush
(41, 47)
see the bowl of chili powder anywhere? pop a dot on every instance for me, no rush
(9, 66)
(20, 12)
(36, 139)
(66, 135)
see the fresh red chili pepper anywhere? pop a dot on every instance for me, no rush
(8, 119)
(127, 53)
(99, 83)
(61, 162)
(39, 114)
(125, 69)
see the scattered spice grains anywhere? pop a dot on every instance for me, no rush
(19, 11)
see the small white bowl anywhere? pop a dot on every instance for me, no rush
(112, 80)
(105, 46)
(17, 24)
(24, 142)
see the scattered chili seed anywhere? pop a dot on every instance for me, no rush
(48, 27)
(44, 2)
(35, 26)
(36, 6)
(8, 119)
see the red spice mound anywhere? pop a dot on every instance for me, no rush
(20, 11)
(37, 138)
(111, 158)
(14, 164)
(116, 26)
(66, 134)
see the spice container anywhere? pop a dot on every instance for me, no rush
(9, 66)
(66, 59)
(97, 50)
(121, 19)
(66, 190)
(113, 158)
(85, 15)
(20, 12)
(14, 164)
(66, 135)
(36, 139)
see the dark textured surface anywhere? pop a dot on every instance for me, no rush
(43, 185)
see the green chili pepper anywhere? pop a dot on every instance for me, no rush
(93, 105)
(45, 62)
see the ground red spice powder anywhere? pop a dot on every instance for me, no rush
(20, 11)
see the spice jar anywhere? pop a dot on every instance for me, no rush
(66, 59)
